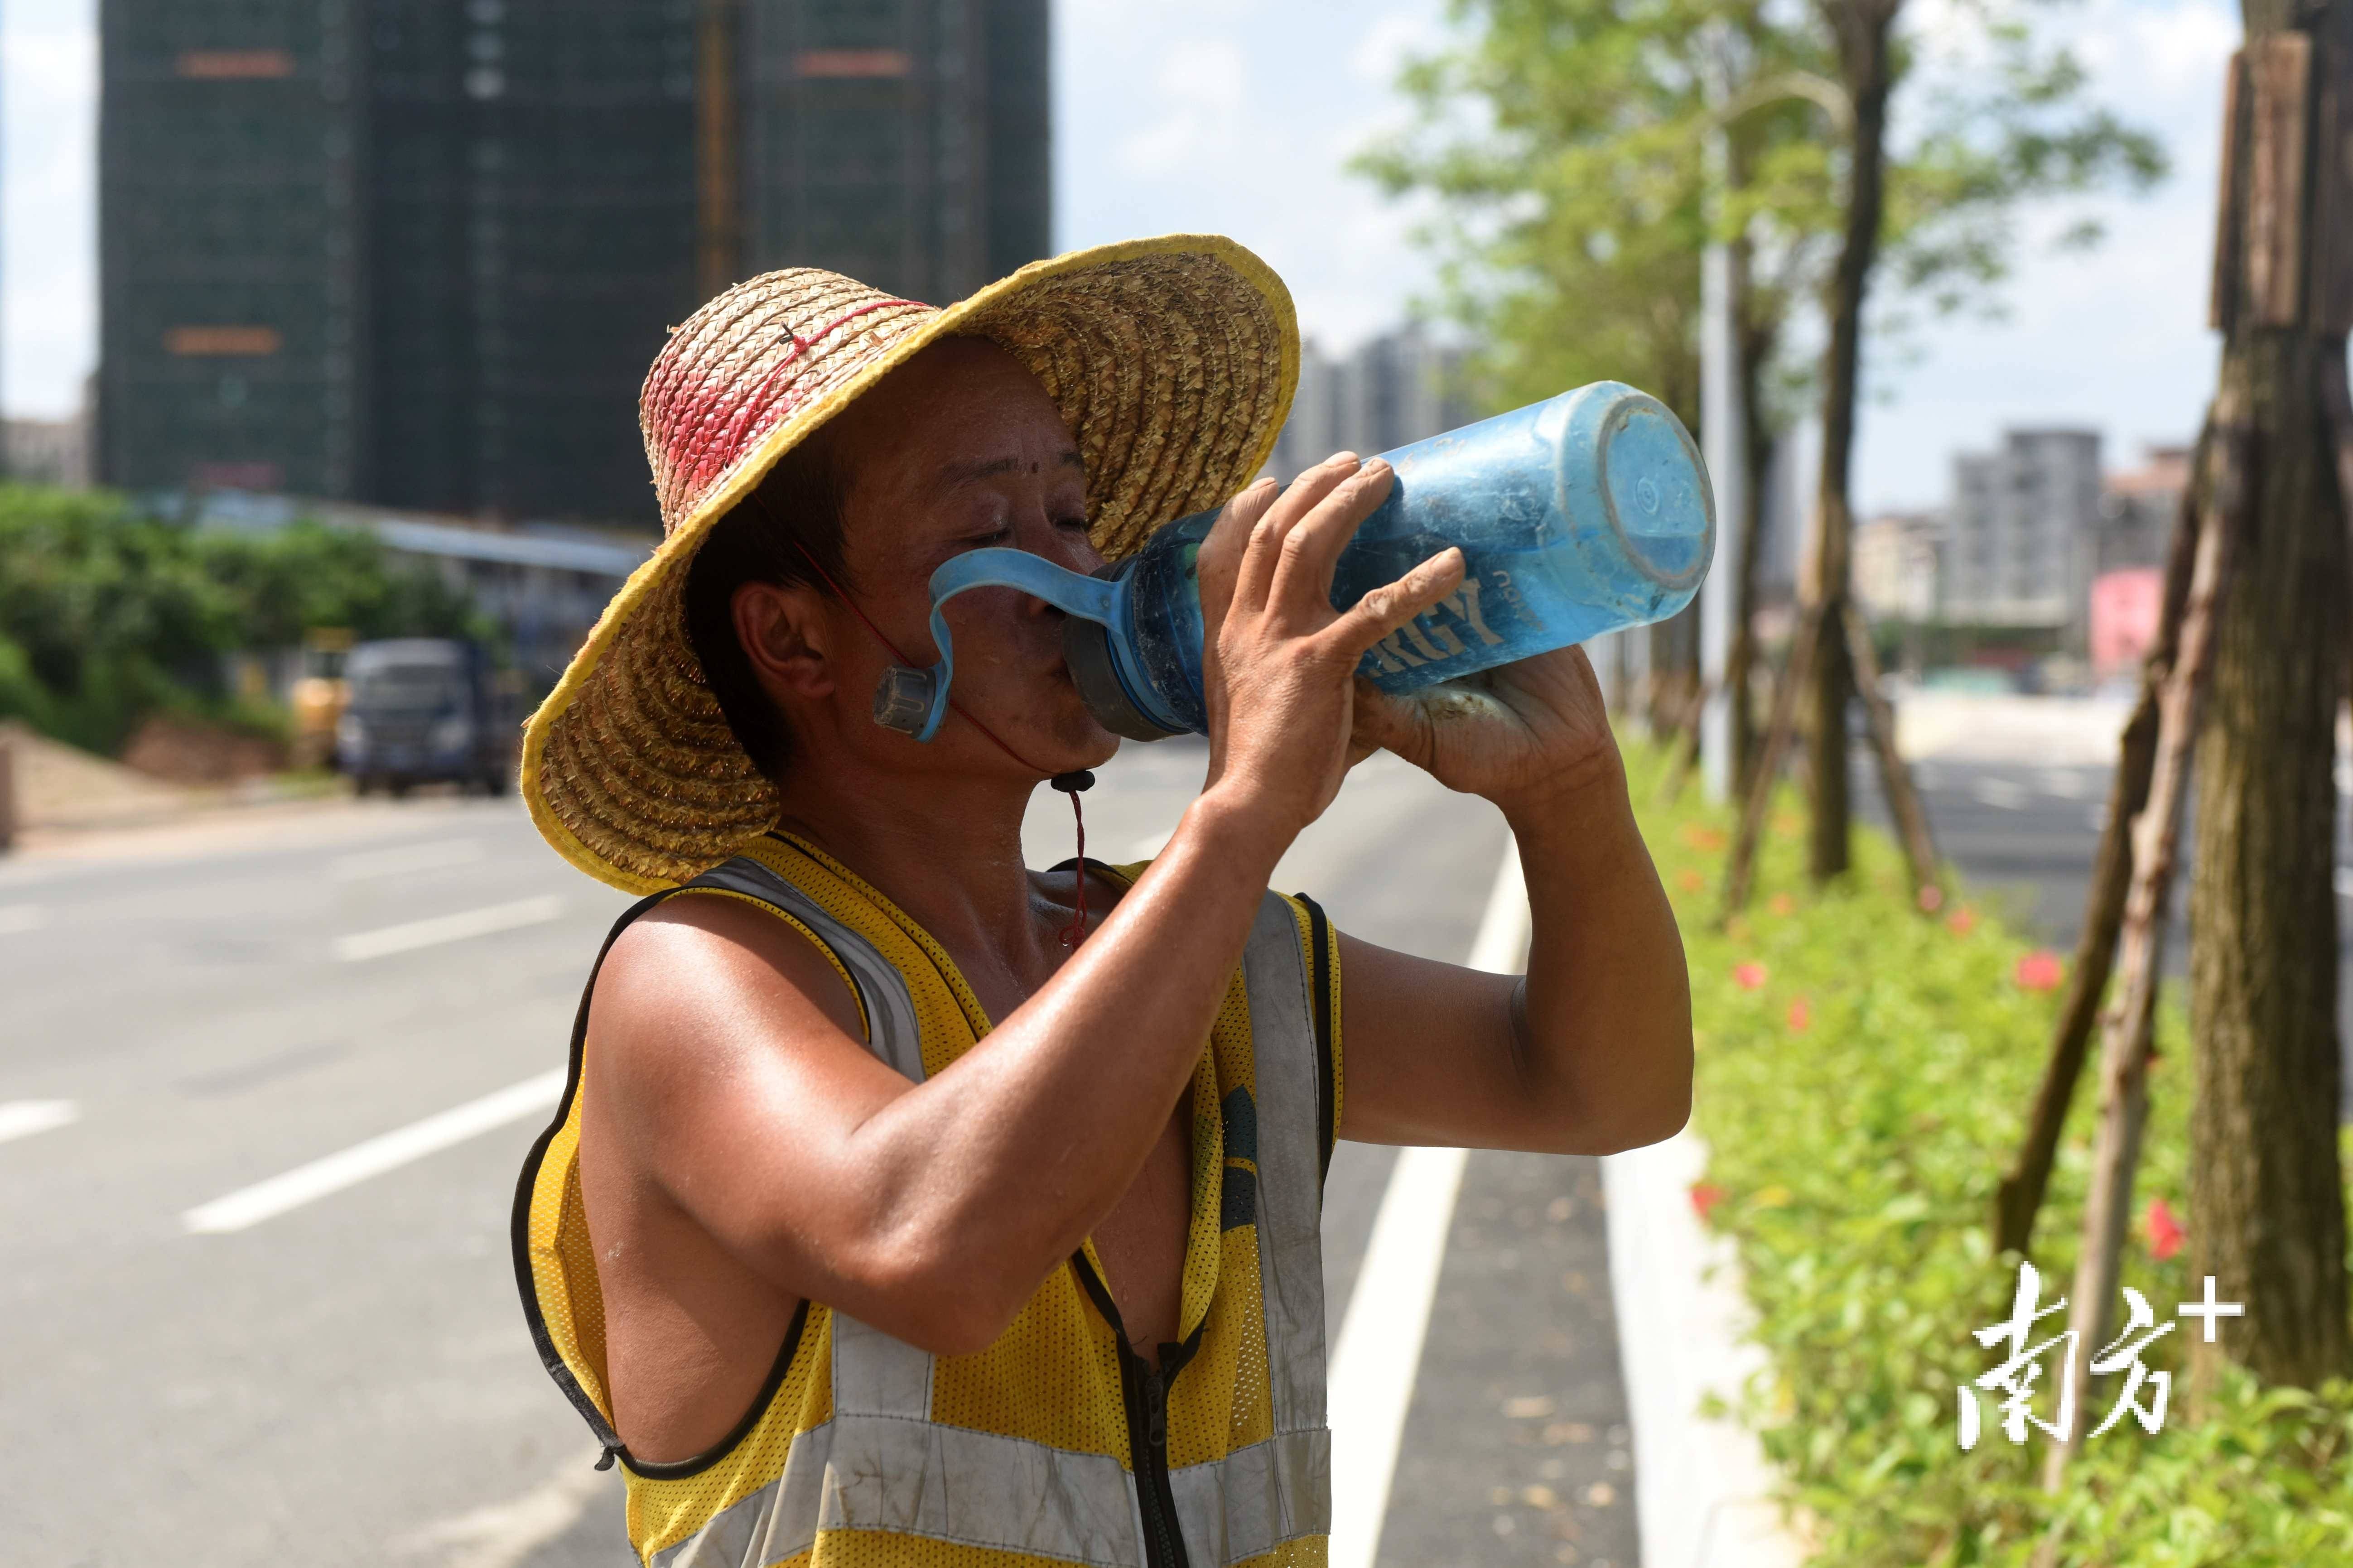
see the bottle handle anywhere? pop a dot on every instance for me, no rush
(915, 702)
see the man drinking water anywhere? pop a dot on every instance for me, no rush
(910, 1206)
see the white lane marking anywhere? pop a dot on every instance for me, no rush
(16, 919)
(1378, 1351)
(504, 1534)
(2001, 792)
(437, 856)
(2067, 784)
(23, 1118)
(2345, 882)
(432, 932)
(248, 1207)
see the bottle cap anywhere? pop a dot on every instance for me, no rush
(1645, 493)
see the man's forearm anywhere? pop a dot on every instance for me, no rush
(1604, 1019)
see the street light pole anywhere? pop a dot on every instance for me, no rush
(1723, 439)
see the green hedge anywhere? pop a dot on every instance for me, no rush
(108, 612)
(1860, 1090)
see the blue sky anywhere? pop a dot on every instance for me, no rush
(1238, 116)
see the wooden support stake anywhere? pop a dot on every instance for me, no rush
(1911, 817)
(1740, 866)
(2157, 831)
(1686, 744)
(8, 792)
(2021, 1194)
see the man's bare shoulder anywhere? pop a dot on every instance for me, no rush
(702, 976)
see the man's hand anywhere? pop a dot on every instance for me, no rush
(1278, 662)
(1520, 735)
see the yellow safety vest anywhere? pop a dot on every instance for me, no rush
(1058, 1443)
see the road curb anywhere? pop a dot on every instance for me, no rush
(1702, 1488)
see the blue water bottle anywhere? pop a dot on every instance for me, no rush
(1586, 513)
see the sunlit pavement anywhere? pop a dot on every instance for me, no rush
(261, 1108)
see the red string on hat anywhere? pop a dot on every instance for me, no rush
(1069, 783)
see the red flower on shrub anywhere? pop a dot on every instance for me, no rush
(1705, 1196)
(1800, 1015)
(2041, 971)
(2164, 1230)
(1700, 836)
(1961, 922)
(1690, 881)
(1782, 904)
(1932, 899)
(1748, 976)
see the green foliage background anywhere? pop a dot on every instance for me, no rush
(1858, 1155)
(1564, 144)
(108, 612)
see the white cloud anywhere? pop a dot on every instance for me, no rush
(1199, 115)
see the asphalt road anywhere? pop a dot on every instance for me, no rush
(331, 1367)
(2024, 835)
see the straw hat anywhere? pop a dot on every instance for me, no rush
(1173, 360)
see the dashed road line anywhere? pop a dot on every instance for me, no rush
(1999, 793)
(2067, 784)
(24, 1118)
(248, 1207)
(437, 856)
(433, 932)
(1378, 1351)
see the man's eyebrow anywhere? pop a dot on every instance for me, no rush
(955, 474)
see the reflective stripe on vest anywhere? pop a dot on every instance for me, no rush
(879, 1461)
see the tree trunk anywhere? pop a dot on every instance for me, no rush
(1905, 806)
(2266, 1197)
(1862, 28)
(1757, 339)
(1739, 865)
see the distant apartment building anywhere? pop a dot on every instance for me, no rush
(2125, 592)
(47, 452)
(2015, 528)
(1897, 570)
(1395, 389)
(419, 252)
(2138, 508)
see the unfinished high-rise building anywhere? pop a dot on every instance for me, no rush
(420, 252)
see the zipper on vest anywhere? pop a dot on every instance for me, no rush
(1144, 1393)
(1147, 1430)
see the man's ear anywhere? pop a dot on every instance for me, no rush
(783, 631)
